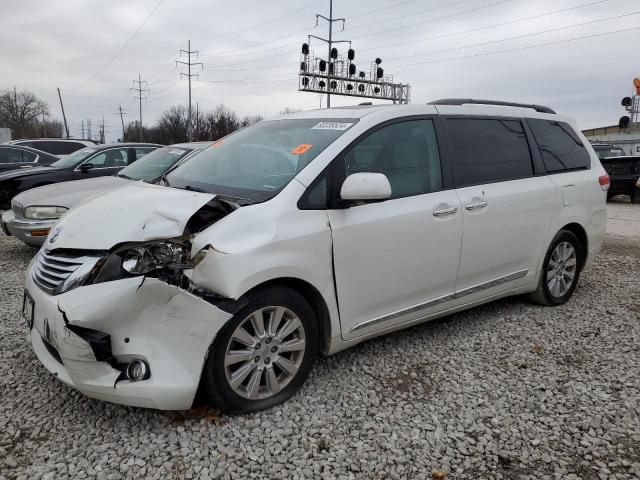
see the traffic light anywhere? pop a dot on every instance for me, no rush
(636, 84)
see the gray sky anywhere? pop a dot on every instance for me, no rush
(253, 47)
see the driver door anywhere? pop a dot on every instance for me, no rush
(106, 162)
(395, 260)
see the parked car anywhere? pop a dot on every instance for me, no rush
(605, 150)
(97, 161)
(13, 157)
(308, 234)
(624, 172)
(35, 211)
(55, 146)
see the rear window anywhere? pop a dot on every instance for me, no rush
(560, 147)
(488, 150)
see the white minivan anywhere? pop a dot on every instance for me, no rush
(304, 235)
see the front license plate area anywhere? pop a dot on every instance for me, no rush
(27, 309)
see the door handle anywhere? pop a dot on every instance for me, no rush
(445, 211)
(476, 205)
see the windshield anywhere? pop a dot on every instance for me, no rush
(73, 159)
(605, 151)
(155, 163)
(256, 162)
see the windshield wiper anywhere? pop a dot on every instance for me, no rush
(195, 189)
(124, 176)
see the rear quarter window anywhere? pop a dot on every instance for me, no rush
(487, 150)
(560, 147)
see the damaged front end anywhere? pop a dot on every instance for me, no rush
(125, 323)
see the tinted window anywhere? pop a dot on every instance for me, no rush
(110, 158)
(488, 150)
(14, 155)
(407, 153)
(67, 148)
(560, 147)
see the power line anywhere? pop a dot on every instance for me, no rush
(517, 37)
(223, 54)
(528, 47)
(487, 27)
(253, 27)
(435, 19)
(382, 9)
(412, 14)
(112, 59)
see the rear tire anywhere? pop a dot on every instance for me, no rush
(635, 195)
(264, 354)
(560, 270)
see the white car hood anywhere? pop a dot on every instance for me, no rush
(134, 213)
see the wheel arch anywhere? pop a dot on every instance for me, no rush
(312, 295)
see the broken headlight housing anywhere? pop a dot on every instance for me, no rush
(143, 259)
(164, 259)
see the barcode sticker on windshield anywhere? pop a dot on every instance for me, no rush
(331, 126)
(176, 152)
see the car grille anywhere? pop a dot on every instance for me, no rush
(61, 272)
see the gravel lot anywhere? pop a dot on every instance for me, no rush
(504, 391)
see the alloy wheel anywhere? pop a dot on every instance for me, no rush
(265, 352)
(561, 270)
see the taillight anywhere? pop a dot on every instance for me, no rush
(604, 182)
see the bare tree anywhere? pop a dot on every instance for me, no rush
(171, 127)
(20, 110)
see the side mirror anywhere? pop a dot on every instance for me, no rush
(365, 186)
(85, 167)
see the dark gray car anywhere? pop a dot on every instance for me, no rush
(13, 157)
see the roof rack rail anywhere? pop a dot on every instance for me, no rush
(471, 101)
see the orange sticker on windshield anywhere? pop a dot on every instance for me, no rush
(302, 148)
(218, 143)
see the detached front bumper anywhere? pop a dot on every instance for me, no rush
(31, 232)
(150, 320)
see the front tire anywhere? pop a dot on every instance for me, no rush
(560, 270)
(264, 354)
(635, 195)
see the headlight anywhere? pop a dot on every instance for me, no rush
(44, 213)
(143, 259)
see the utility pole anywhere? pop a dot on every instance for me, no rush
(197, 118)
(83, 130)
(330, 43)
(140, 89)
(64, 117)
(122, 120)
(88, 129)
(102, 131)
(189, 64)
(44, 126)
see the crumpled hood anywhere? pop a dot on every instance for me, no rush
(69, 194)
(135, 213)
